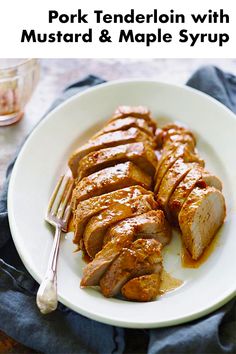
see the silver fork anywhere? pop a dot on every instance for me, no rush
(58, 214)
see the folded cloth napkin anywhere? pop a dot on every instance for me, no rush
(65, 331)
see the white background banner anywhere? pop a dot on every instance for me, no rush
(165, 36)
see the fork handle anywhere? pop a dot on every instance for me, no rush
(47, 293)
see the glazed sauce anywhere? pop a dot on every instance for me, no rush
(188, 262)
(169, 283)
(86, 258)
(71, 224)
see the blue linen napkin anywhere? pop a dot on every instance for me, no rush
(65, 331)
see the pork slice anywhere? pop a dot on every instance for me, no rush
(152, 224)
(167, 159)
(212, 180)
(173, 128)
(180, 138)
(170, 181)
(144, 288)
(181, 151)
(97, 226)
(159, 138)
(141, 258)
(165, 137)
(201, 216)
(170, 149)
(173, 136)
(132, 191)
(126, 123)
(108, 140)
(196, 177)
(162, 155)
(109, 179)
(93, 271)
(181, 193)
(90, 207)
(132, 111)
(141, 154)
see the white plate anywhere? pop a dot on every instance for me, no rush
(44, 156)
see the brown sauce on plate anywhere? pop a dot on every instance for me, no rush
(71, 224)
(188, 262)
(169, 283)
(86, 258)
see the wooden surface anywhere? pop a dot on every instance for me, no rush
(58, 73)
(9, 345)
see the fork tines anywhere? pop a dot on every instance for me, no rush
(59, 207)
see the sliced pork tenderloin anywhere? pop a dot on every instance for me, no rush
(132, 191)
(182, 191)
(173, 129)
(126, 123)
(181, 151)
(97, 226)
(84, 210)
(170, 181)
(201, 216)
(144, 288)
(152, 224)
(148, 225)
(196, 177)
(162, 155)
(110, 179)
(141, 258)
(94, 270)
(180, 139)
(112, 139)
(212, 180)
(141, 154)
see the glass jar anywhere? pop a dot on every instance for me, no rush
(18, 79)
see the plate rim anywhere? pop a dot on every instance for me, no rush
(223, 299)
